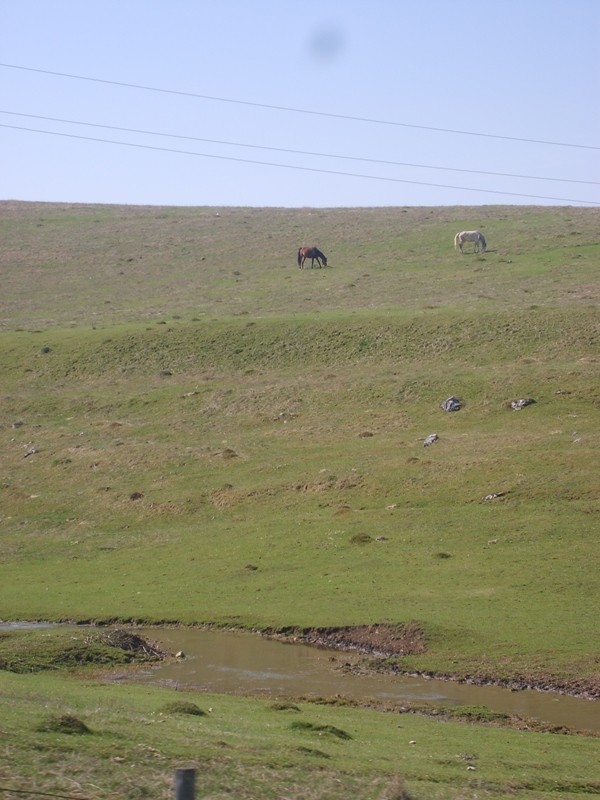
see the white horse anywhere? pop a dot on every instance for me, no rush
(470, 236)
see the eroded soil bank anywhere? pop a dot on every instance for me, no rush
(387, 644)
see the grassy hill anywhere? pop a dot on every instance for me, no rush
(194, 429)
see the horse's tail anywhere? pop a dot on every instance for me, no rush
(299, 256)
(483, 243)
(456, 241)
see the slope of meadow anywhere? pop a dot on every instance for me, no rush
(195, 430)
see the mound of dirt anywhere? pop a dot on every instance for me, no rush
(381, 640)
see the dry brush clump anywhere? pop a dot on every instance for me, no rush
(129, 642)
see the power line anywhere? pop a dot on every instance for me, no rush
(298, 152)
(295, 167)
(299, 110)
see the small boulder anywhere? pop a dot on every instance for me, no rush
(451, 404)
(518, 404)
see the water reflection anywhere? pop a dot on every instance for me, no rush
(242, 663)
(24, 626)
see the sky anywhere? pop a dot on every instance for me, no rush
(319, 103)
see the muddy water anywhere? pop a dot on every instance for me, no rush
(241, 663)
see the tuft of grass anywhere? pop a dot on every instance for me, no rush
(361, 538)
(183, 707)
(328, 730)
(63, 723)
(311, 751)
(479, 714)
(285, 707)
(395, 790)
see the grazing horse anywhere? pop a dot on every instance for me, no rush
(314, 254)
(470, 236)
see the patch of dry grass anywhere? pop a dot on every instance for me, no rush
(82, 265)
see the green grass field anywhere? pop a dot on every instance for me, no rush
(195, 430)
(249, 748)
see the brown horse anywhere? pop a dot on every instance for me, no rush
(314, 254)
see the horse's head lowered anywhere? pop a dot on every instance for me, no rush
(314, 254)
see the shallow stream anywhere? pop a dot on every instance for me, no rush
(229, 662)
(245, 663)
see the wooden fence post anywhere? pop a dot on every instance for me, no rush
(184, 784)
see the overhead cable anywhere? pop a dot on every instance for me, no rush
(331, 115)
(296, 167)
(297, 152)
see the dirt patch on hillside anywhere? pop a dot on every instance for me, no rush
(329, 483)
(376, 640)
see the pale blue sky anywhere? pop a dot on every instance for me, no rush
(519, 69)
